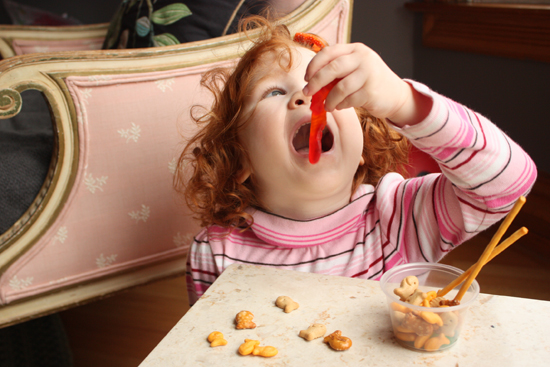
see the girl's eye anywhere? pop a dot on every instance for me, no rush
(273, 93)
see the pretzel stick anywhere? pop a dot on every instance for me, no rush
(485, 255)
(503, 246)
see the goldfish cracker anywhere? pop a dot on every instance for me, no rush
(436, 342)
(243, 320)
(248, 346)
(216, 339)
(429, 297)
(406, 337)
(420, 341)
(402, 329)
(431, 317)
(267, 351)
(398, 307)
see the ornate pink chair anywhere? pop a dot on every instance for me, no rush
(107, 217)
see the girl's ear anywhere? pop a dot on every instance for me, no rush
(362, 161)
(244, 172)
(243, 175)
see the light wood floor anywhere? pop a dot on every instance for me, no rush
(123, 329)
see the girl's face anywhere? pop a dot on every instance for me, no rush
(277, 141)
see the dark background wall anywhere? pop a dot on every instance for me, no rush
(514, 94)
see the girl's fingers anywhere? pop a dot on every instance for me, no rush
(347, 70)
(327, 65)
(350, 85)
(352, 100)
(365, 80)
(325, 56)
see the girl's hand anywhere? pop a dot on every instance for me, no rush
(366, 82)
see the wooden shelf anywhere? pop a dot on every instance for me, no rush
(510, 30)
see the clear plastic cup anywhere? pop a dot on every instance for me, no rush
(420, 328)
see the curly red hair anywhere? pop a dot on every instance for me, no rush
(214, 155)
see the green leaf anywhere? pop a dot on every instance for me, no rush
(170, 14)
(165, 39)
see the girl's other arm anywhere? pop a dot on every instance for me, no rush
(201, 268)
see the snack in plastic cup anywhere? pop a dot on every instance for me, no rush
(420, 328)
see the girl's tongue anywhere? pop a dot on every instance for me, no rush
(301, 139)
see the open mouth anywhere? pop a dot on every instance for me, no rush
(301, 139)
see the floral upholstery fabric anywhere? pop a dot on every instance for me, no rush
(153, 23)
(122, 212)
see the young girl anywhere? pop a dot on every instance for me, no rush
(262, 202)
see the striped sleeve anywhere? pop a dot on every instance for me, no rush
(483, 173)
(201, 267)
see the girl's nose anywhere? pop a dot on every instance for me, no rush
(298, 99)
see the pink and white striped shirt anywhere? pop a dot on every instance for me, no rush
(419, 219)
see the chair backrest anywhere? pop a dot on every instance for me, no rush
(107, 217)
(22, 39)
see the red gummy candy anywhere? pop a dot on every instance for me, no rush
(315, 42)
(318, 113)
(318, 121)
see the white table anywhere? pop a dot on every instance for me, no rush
(499, 331)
